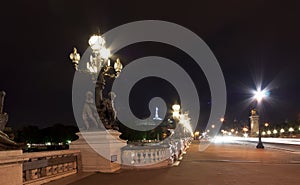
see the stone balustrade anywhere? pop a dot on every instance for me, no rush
(153, 155)
(145, 156)
(42, 167)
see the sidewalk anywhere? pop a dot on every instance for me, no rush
(220, 164)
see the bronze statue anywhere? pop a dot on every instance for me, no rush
(5, 142)
(107, 112)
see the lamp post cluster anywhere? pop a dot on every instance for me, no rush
(100, 61)
(183, 120)
(100, 66)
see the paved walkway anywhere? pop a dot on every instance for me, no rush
(220, 164)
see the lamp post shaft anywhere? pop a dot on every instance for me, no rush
(259, 144)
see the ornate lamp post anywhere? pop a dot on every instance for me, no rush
(259, 96)
(100, 64)
(176, 111)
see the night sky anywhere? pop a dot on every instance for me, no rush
(252, 40)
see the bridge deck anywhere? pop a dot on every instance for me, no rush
(221, 164)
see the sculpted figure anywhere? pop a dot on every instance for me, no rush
(107, 112)
(5, 142)
(90, 115)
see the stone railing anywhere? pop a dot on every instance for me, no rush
(145, 156)
(154, 155)
(42, 167)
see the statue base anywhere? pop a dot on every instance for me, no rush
(11, 167)
(100, 150)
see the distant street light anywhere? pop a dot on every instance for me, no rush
(291, 130)
(245, 129)
(196, 135)
(185, 121)
(259, 95)
(275, 131)
(176, 111)
(281, 130)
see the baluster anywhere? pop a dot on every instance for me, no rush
(159, 154)
(60, 166)
(27, 175)
(33, 174)
(54, 169)
(132, 159)
(136, 157)
(145, 154)
(154, 155)
(149, 156)
(74, 164)
(48, 169)
(139, 157)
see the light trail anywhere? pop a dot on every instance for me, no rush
(232, 139)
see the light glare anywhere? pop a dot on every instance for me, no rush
(260, 95)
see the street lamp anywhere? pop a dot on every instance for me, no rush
(185, 121)
(100, 62)
(100, 66)
(281, 131)
(259, 95)
(291, 130)
(176, 110)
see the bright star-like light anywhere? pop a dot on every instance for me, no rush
(259, 95)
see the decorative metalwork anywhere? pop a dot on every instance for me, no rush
(100, 67)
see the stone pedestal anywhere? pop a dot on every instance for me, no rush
(254, 121)
(11, 167)
(100, 150)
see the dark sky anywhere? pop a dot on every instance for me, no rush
(250, 39)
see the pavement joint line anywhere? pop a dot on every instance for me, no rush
(296, 152)
(281, 149)
(240, 161)
(268, 146)
(295, 162)
(232, 161)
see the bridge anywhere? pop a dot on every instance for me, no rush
(229, 161)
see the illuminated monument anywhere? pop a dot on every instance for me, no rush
(156, 117)
(254, 122)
